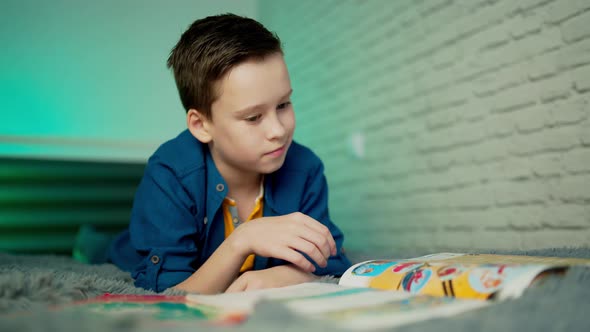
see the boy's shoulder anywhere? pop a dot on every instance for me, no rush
(182, 154)
(300, 158)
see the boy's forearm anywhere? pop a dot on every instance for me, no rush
(218, 272)
(278, 276)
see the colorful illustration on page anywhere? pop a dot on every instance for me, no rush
(372, 268)
(440, 279)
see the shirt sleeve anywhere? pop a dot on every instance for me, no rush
(315, 205)
(163, 230)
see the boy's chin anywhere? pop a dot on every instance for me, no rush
(267, 169)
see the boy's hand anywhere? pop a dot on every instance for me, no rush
(278, 276)
(286, 237)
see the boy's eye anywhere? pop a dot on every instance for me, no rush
(253, 118)
(284, 105)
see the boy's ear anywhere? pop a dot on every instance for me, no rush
(198, 125)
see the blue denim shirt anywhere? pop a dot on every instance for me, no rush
(177, 220)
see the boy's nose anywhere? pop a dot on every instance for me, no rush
(276, 128)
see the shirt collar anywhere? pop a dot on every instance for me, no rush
(215, 182)
(257, 199)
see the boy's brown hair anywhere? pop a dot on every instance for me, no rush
(209, 48)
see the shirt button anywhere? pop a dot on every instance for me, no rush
(155, 259)
(220, 187)
(235, 220)
(205, 220)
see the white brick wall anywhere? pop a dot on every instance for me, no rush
(475, 117)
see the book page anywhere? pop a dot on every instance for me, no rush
(342, 306)
(245, 301)
(445, 275)
(368, 308)
(151, 311)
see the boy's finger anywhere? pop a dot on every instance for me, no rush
(331, 244)
(320, 228)
(310, 249)
(321, 242)
(296, 258)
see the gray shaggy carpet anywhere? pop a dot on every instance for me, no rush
(31, 285)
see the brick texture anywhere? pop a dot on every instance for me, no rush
(474, 118)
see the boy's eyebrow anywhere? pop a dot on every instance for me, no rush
(249, 109)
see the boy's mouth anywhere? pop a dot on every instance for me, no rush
(277, 152)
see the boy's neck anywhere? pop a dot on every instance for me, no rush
(239, 183)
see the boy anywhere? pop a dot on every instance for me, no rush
(232, 203)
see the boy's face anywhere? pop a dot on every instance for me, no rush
(252, 120)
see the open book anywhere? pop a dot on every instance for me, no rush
(421, 288)
(457, 275)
